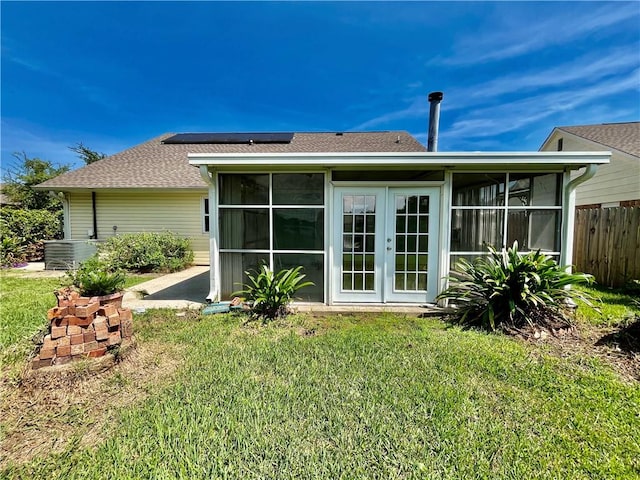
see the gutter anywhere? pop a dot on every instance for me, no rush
(569, 213)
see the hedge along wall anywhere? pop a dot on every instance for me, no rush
(30, 228)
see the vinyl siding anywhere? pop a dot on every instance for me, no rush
(179, 212)
(615, 182)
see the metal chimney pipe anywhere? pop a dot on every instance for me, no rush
(434, 120)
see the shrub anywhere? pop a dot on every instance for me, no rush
(28, 229)
(147, 252)
(95, 277)
(11, 251)
(511, 290)
(270, 294)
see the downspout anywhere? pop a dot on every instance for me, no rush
(95, 216)
(569, 213)
(214, 258)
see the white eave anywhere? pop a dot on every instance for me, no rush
(454, 160)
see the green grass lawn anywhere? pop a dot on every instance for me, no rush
(367, 396)
(609, 307)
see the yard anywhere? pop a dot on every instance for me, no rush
(362, 396)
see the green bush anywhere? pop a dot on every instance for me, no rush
(95, 277)
(11, 251)
(511, 290)
(147, 252)
(270, 294)
(27, 230)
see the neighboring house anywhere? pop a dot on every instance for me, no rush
(4, 198)
(371, 216)
(616, 184)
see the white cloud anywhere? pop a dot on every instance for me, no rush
(526, 35)
(512, 116)
(418, 108)
(588, 69)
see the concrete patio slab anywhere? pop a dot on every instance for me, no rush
(186, 289)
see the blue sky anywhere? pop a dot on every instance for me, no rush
(111, 74)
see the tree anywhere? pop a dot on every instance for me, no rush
(86, 154)
(27, 172)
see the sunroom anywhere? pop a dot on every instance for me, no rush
(383, 228)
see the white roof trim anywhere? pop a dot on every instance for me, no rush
(399, 159)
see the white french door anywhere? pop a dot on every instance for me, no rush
(385, 244)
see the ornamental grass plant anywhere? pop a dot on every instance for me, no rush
(512, 290)
(271, 293)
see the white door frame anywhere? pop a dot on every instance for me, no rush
(384, 259)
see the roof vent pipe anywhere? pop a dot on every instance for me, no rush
(434, 120)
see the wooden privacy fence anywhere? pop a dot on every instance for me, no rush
(606, 244)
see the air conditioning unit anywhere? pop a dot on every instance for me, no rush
(67, 254)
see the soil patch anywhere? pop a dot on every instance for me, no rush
(43, 413)
(616, 346)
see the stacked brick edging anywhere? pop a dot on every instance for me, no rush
(82, 328)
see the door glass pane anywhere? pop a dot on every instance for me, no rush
(411, 243)
(347, 223)
(358, 245)
(413, 204)
(424, 204)
(244, 189)
(245, 228)
(370, 243)
(412, 224)
(298, 228)
(369, 284)
(422, 281)
(423, 226)
(369, 263)
(298, 189)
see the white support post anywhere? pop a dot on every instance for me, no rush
(214, 254)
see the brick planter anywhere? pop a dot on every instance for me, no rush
(82, 328)
(114, 298)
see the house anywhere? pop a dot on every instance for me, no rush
(616, 184)
(371, 216)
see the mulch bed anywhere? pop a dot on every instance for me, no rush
(619, 347)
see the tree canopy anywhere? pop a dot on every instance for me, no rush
(87, 155)
(24, 175)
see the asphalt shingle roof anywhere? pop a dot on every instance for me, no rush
(621, 136)
(156, 165)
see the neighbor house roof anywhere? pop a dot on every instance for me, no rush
(154, 164)
(620, 136)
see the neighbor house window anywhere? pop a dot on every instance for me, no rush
(275, 219)
(497, 209)
(205, 214)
